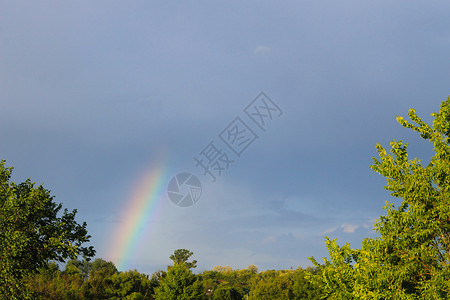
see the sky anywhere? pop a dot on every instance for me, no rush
(105, 102)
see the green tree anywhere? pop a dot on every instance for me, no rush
(182, 256)
(32, 233)
(410, 259)
(132, 285)
(179, 284)
(157, 277)
(226, 270)
(302, 287)
(51, 283)
(226, 292)
(103, 282)
(76, 266)
(253, 269)
(100, 283)
(271, 285)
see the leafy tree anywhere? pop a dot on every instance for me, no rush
(32, 233)
(302, 288)
(103, 282)
(102, 268)
(227, 270)
(285, 284)
(75, 266)
(410, 259)
(224, 282)
(132, 285)
(100, 283)
(179, 284)
(212, 275)
(226, 292)
(51, 283)
(271, 285)
(182, 256)
(244, 278)
(253, 269)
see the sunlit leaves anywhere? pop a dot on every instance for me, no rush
(33, 232)
(410, 259)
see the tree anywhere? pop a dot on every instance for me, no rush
(182, 256)
(224, 270)
(302, 287)
(252, 268)
(226, 292)
(51, 283)
(132, 285)
(75, 266)
(103, 282)
(32, 233)
(410, 259)
(271, 285)
(99, 285)
(179, 284)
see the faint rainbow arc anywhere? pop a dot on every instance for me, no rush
(143, 206)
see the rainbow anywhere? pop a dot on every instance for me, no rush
(144, 204)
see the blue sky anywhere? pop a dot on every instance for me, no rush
(92, 92)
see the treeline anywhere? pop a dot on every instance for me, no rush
(100, 279)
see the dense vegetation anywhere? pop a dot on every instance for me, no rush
(32, 233)
(101, 280)
(409, 260)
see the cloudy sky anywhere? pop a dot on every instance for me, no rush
(94, 96)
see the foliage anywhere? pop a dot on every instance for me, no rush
(273, 286)
(132, 285)
(284, 284)
(410, 258)
(75, 266)
(226, 283)
(32, 233)
(51, 283)
(302, 288)
(181, 256)
(103, 282)
(226, 292)
(82, 279)
(253, 269)
(179, 284)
